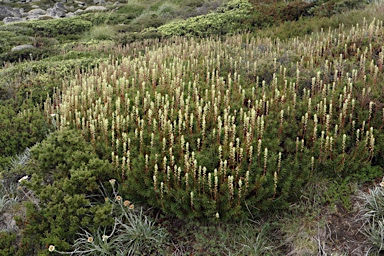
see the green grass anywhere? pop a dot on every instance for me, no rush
(101, 32)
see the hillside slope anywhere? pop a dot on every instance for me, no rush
(212, 128)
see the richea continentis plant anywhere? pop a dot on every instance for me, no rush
(221, 128)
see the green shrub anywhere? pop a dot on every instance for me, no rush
(328, 8)
(146, 20)
(227, 19)
(31, 127)
(61, 28)
(194, 168)
(132, 233)
(6, 34)
(102, 32)
(25, 55)
(66, 178)
(168, 11)
(8, 243)
(6, 43)
(135, 8)
(95, 18)
(127, 38)
(18, 29)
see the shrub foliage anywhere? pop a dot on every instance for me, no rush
(227, 19)
(235, 126)
(66, 176)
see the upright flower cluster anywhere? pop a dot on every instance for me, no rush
(196, 123)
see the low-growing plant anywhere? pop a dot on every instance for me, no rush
(146, 20)
(227, 19)
(257, 244)
(7, 243)
(65, 178)
(233, 238)
(18, 29)
(168, 11)
(69, 28)
(101, 32)
(132, 232)
(25, 55)
(373, 215)
(31, 126)
(374, 203)
(374, 231)
(339, 192)
(329, 8)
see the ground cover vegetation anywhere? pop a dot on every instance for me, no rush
(154, 127)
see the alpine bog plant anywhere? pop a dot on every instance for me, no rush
(226, 127)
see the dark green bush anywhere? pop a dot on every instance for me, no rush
(327, 8)
(295, 10)
(25, 54)
(127, 38)
(134, 9)
(19, 131)
(18, 29)
(66, 178)
(60, 27)
(95, 18)
(265, 15)
(6, 34)
(149, 19)
(7, 243)
(228, 19)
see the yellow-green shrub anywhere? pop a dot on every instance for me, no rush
(227, 19)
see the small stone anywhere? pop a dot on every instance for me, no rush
(96, 9)
(36, 12)
(70, 15)
(22, 47)
(11, 19)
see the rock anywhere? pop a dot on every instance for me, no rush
(36, 12)
(32, 17)
(22, 47)
(99, 2)
(96, 9)
(78, 11)
(70, 8)
(70, 15)
(11, 19)
(80, 3)
(45, 17)
(60, 6)
(6, 11)
(56, 13)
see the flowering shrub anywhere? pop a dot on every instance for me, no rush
(196, 130)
